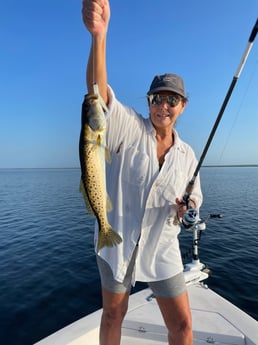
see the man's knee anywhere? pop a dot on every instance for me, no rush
(181, 330)
(185, 326)
(114, 315)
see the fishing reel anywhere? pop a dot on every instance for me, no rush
(190, 218)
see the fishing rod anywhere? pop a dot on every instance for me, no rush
(190, 217)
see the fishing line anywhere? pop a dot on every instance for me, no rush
(190, 185)
(93, 63)
(238, 112)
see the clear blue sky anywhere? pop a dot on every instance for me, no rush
(44, 49)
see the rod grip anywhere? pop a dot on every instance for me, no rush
(188, 192)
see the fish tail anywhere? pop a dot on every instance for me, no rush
(109, 238)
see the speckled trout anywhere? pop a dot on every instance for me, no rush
(93, 153)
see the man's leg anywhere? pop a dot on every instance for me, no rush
(114, 309)
(177, 316)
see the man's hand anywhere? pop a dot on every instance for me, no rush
(96, 15)
(181, 207)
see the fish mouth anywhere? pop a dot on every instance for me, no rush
(91, 99)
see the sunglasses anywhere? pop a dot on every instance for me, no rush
(171, 100)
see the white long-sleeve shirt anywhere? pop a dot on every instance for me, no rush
(143, 196)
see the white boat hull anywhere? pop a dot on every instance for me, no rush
(215, 321)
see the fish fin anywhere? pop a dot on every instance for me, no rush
(108, 203)
(95, 144)
(85, 197)
(109, 238)
(107, 155)
(98, 140)
(94, 148)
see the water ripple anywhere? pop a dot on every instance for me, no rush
(47, 264)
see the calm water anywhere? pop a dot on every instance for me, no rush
(48, 276)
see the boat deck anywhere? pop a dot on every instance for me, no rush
(215, 321)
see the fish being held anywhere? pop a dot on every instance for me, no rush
(93, 152)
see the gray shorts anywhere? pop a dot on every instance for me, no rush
(171, 287)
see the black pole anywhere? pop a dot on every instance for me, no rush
(190, 185)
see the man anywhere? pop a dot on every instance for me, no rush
(148, 174)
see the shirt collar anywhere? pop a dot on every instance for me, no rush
(178, 143)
